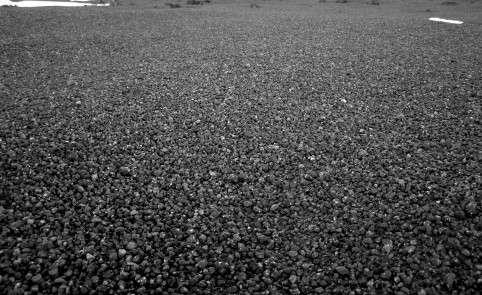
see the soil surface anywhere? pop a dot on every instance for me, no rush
(286, 149)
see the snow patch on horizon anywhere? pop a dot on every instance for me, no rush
(436, 19)
(48, 3)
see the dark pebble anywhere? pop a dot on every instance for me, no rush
(202, 264)
(293, 253)
(37, 279)
(232, 290)
(274, 207)
(459, 214)
(125, 171)
(342, 270)
(54, 272)
(449, 279)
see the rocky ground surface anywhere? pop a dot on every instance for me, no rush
(233, 150)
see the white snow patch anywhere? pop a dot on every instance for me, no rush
(436, 19)
(48, 3)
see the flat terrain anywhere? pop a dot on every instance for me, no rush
(296, 148)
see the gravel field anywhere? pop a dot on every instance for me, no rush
(290, 149)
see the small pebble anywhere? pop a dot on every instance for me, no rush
(342, 270)
(274, 207)
(37, 279)
(202, 264)
(293, 253)
(449, 279)
(122, 252)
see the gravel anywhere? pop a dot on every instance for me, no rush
(226, 150)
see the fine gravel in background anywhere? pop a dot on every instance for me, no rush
(225, 149)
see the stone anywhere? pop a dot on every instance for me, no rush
(459, 214)
(54, 272)
(122, 252)
(37, 279)
(191, 239)
(312, 173)
(125, 171)
(113, 256)
(248, 203)
(471, 208)
(274, 207)
(262, 238)
(449, 279)
(342, 270)
(236, 238)
(386, 275)
(410, 249)
(231, 290)
(202, 264)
